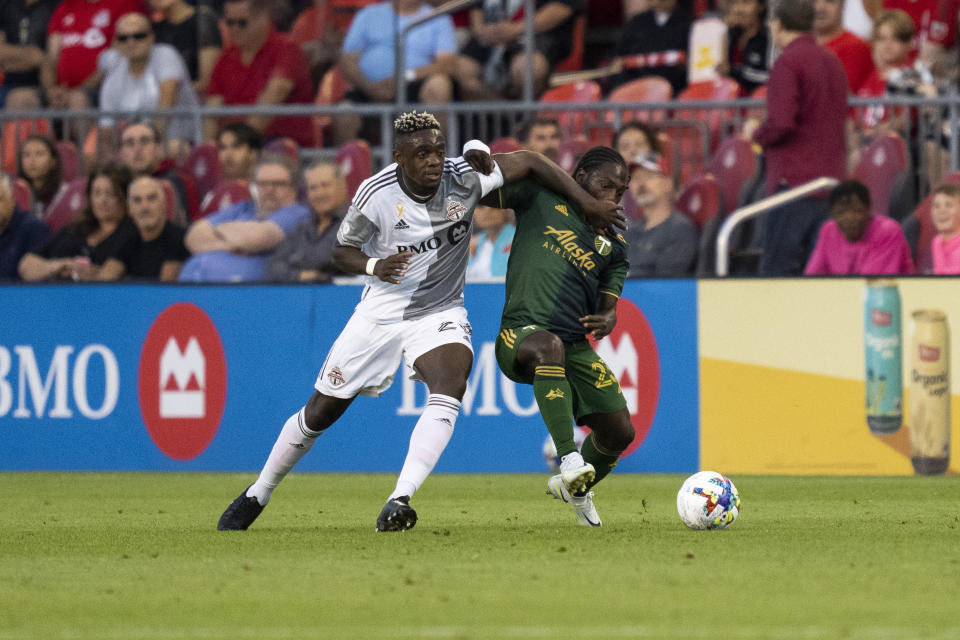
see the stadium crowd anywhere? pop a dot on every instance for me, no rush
(244, 198)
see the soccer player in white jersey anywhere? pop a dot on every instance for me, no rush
(408, 229)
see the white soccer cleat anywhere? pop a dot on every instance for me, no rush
(576, 473)
(582, 506)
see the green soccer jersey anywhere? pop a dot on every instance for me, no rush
(558, 267)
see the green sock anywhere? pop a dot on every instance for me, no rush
(603, 461)
(552, 391)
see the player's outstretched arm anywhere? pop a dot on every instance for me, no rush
(389, 269)
(601, 214)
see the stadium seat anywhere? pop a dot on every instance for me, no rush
(69, 160)
(647, 89)
(67, 204)
(758, 113)
(504, 145)
(574, 61)
(226, 193)
(14, 133)
(574, 122)
(312, 23)
(695, 142)
(285, 146)
(171, 199)
(203, 164)
(919, 230)
(342, 12)
(736, 167)
(356, 163)
(701, 200)
(885, 168)
(21, 193)
(333, 87)
(571, 149)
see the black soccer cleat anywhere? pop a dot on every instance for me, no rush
(240, 514)
(397, 515)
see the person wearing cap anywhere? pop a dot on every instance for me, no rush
(663, 242)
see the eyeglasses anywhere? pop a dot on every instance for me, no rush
(239, 23)
(140, 35)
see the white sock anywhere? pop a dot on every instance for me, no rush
(294, 441)
(427, 442)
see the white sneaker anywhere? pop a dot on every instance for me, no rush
(582, 505)
(576, 473)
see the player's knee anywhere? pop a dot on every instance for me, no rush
(320, 413)
(623, 435)
(617, 434)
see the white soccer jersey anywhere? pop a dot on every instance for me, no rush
(385, 219)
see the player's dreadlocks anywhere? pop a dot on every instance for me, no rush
(596, 157)
(413, 121)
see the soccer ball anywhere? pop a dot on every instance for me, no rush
(708, 500)
(550, 450)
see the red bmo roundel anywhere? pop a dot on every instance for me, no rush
(182, 381)
(631, 353)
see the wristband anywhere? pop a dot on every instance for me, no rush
(371, 263)
(475, 145)
(410, 75)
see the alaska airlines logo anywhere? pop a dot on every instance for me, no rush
(574, 253)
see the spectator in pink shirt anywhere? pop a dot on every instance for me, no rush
(856, 242)
(946, 218)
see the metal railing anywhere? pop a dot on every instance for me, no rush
(932, 138)
(763, 206)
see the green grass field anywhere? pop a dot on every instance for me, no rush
(133, 556)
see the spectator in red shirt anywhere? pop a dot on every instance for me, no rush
(935, 26)
(803, 135)
(853, 52)
(892, 34)
(78, 32)
(262, 67)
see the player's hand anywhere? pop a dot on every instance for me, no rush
(392, 268)
(604, 215)
(480, 161)
(599, 325)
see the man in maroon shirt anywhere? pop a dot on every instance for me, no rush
(803, 135)
(853, 52)
(262, 67)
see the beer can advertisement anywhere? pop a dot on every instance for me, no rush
(785, 367)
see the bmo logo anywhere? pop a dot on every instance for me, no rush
(631, 353)
(182, 381)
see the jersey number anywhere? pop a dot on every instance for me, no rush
(604, 378)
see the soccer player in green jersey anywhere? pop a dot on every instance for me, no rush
(563, 282)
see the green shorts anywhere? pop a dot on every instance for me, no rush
(595, 388)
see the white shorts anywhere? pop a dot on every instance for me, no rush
(364, 358)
